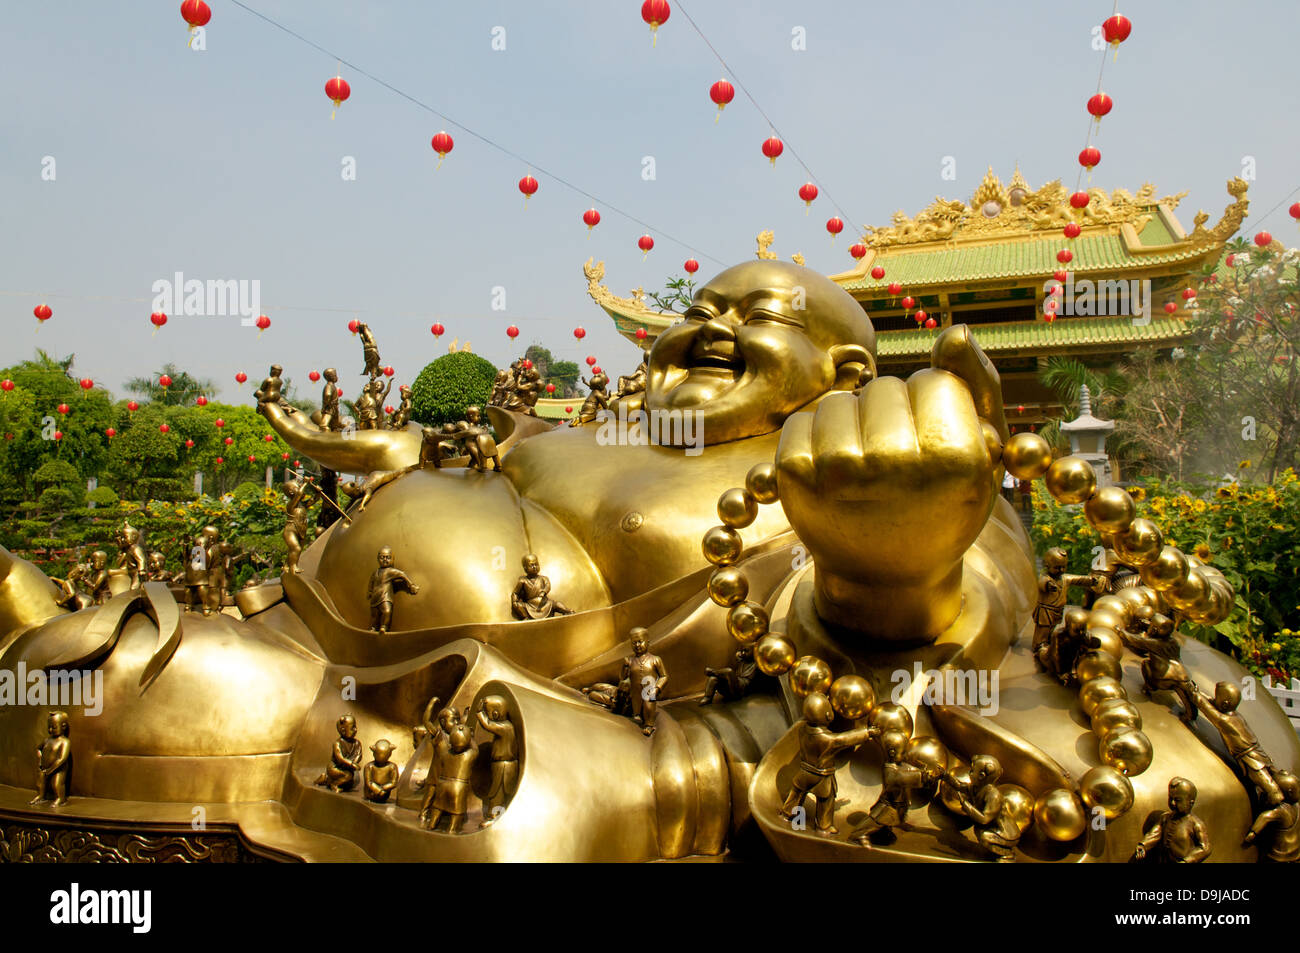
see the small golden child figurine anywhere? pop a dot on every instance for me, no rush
(54, 761)
(1179, 836)
(494, 718)
(384, 584)
(814, 770)
(982, 801)
(345, 758)
(380, 776)
(595, 402)
(898, 780)
(1053, 592)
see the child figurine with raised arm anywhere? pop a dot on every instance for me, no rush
(494, 718)
(1179, 836)
(384, 584)
(815, 769)
(380, 776)
(54, 761)
(1053, 593)
(345, 758)
(982, 801)
(898, 780)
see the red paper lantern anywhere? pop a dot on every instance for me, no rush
(895, 288)
(1189, 294)
(201, 401)
(442, 144)
(931, 323)
(296, 464)
(645, 243)
(58, 435)
(164, 380)
(512, 332)
(655, 13)
(527, 364)
(110, 433)
(568, 410)
(220, 461)
(269, 437)
(313, 376)
(189, 444)
(920, 317)
(43, 312)
(1116, 30)
(773, 147)
(550, 388)
(354, 325)
(579, 333)
(1170, 307)
(908, 303)
(591, 361)
(1090, 158)
(338, 90)
(721, 93)
(1061, 275)
(196, 13)
(1229, 260)
(1050, 305)
(240, 377)
(388, 409)
(389, 371)
(1054, 290)
(1099, 105)
(878, 272)
(218, 423)
(87, 383)
(158, 319)
(691, 266)
(437, 330)
(596, 369)
(642, 334)
(1079, 199)
(1072, 230)
(1020, 409)
(808, 192)
(132, 406)
(834, 226)
(1263, 239)
(252, 459)
(1065, 256)
(263, 322)
(6, 385)
(63, 409)
(858, 250)
(590, 218)
(1049, 317)
(1295, 211)
(163, 428)
(228, 441)
(285, 455)
(527, 185)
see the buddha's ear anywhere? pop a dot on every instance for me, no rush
(854, 366)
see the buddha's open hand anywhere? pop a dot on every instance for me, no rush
(889, 487)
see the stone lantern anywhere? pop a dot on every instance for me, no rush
(1088, 437)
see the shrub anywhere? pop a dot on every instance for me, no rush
(57, 498)
(162, 488)
(102, 496)
(248, 490)
(56, 473)
(450, 384)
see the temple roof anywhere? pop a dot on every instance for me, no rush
(1039, 337)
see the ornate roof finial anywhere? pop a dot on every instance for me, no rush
(1018, 181)
(765, 239)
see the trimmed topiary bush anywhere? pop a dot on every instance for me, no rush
(450, 384)
(102, 496)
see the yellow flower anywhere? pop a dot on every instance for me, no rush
(1202, 552)
(1138, 493)
(1226, 492)
(1243, 465)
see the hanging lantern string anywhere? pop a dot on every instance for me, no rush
(1093, 126)
(596, 200)
(748, 95)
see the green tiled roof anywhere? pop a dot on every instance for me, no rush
(1037, 335)
(552, 408)
(956, 263)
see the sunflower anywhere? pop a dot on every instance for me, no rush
(1202, 552)
(1138, 493)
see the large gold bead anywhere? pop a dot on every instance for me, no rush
(1113, 714)
(747, 622)
(737, 507)
(1193, 591)
(1113, 604)
(1167, 570)
(810, 674)
(1098, 690)
(774, 655)
(1139, 544)
(760, 481)
(722, 545)
(948, 794)
(1060, 815)
(890, 717)
(1111, 644)
(1071, 480)
(728, 586)
(1027, 456)
(1221, 602)
(1135, 599)
(1127, 750)
(1019, 805)
(852, 697)
(1097, 664)
(1110, 509)
(927, 753)
(1104, 787)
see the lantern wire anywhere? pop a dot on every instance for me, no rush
(470, 132)
(748, 95)
(1094, 125)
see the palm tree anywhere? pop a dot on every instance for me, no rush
(1064, 376)
(183, 389)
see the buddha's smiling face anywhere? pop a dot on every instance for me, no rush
(759, 342)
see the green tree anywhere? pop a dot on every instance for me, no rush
(449, 384)
(676, 296)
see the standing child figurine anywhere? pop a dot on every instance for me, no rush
(495, 719)
(453, 765)
(54, 761)
(898, 780)
(1053, 592)
(380, 775)
(814, 771)
(98, 582)
(646, 676)
(1179, 836)
(384, 583)
(345, 758)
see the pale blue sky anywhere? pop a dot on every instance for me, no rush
(225, 164)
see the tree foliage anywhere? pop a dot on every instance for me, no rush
(449, 384)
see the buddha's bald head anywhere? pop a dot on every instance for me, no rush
(759, 342)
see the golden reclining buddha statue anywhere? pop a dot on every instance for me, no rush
(885, 554)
